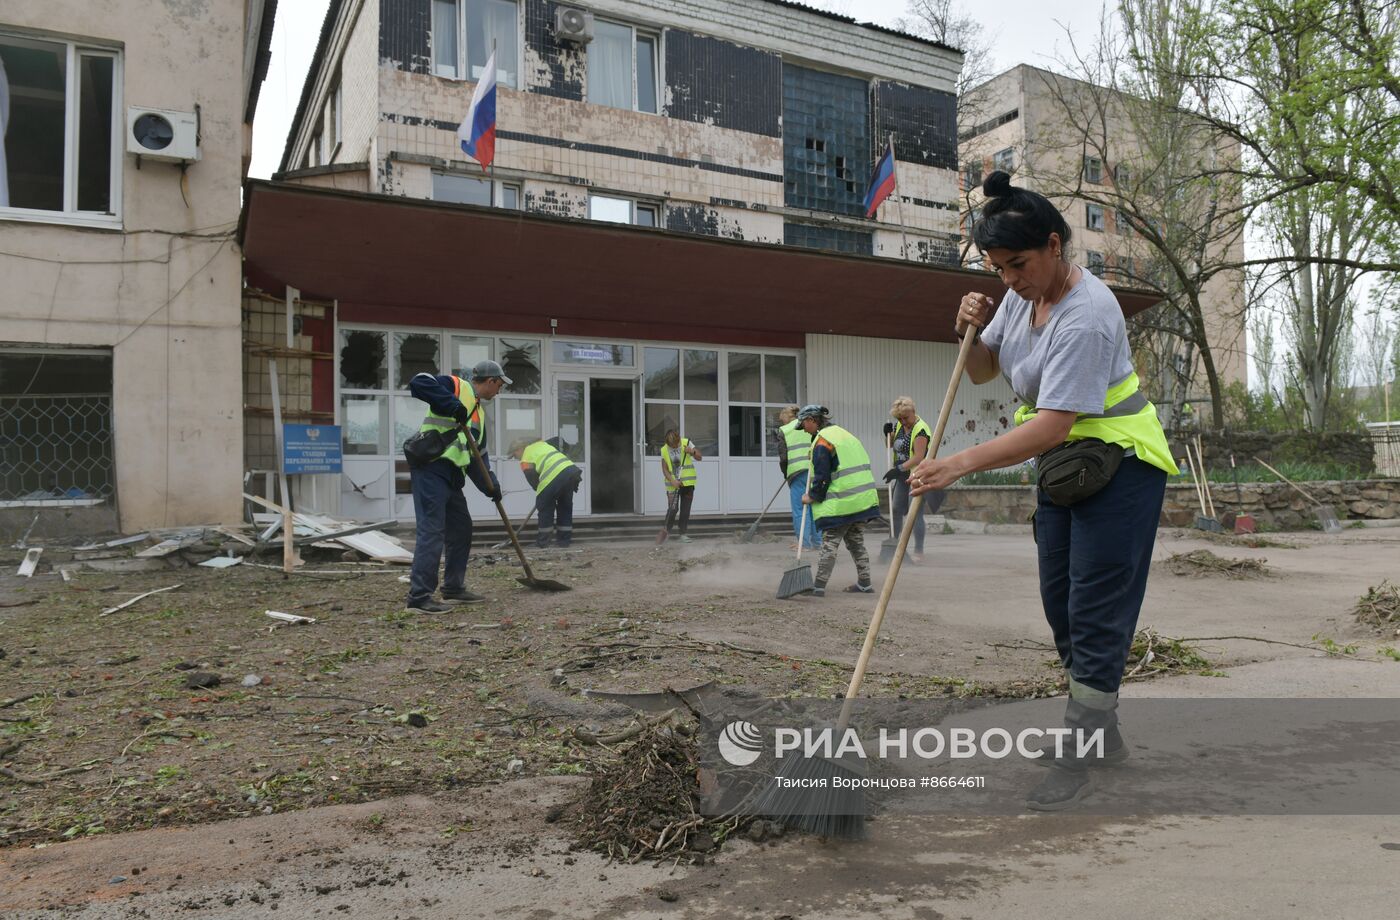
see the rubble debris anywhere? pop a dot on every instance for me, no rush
(202, 680)
(31, 562)
(1153, 654)
(138, 597)
(110, 544)
(163, 548)
(221, 562)
(251, 680)
(289, 617)
(1202, 562)
(645, 804)
(1379, 608)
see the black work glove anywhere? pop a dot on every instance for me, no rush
(892, 475)
(462, 416)
(495, 488)
(888, 428)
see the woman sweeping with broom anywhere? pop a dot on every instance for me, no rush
(1059, 339)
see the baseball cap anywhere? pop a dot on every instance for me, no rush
(485, 370)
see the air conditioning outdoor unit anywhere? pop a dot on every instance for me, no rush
(162, 134)
(573, 25)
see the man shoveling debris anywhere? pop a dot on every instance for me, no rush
(440, 463)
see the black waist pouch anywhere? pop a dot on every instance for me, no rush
(1077, 469)
(426, 446)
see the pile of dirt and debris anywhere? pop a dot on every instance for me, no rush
(645, 804)
(1201, 563)
(1379, 609)
(1153, 655)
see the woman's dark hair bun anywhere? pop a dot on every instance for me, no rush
(997, 184)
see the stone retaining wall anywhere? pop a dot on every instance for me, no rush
(1272, 504)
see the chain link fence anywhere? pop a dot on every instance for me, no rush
(56, 447)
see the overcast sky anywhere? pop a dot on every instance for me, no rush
(1027, 31)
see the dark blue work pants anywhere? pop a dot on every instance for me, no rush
(555, 506)
(443, 519)
(1094, 557)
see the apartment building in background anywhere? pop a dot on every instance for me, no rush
(126, 136)
(672, 235)
(1017, 122)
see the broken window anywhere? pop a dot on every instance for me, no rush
(1093, 216)
(363, 363)
(416, 353)
(520, 359)
(55, 425)
(59, 124)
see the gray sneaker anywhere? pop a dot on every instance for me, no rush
(463, 597)
(684, 539)
(1060, 789)
(427, 606)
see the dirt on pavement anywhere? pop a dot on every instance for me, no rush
(472, 715)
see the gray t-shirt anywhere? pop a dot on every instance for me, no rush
(1071, 361)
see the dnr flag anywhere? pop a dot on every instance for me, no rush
(881, 182)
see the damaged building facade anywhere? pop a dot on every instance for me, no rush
(672, 235)
(125, 139)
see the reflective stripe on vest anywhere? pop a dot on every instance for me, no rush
(852, 487)
(1128, 419)
(547, 461)
(459, 453)
(798, 448)
(687, 474)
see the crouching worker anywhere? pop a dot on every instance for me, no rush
(439, 506)
(555, 479)
(842, 495)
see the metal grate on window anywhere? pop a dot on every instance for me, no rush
(56, 447)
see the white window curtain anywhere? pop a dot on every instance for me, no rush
(4, 124)
(610, 65)
(488, 21)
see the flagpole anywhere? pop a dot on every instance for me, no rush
(491, 170)
(898, 199)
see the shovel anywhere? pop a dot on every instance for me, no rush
(528, 579)
(889, 544)
(753, 528)
(1244, 523)
(1203, 520)
(1326, 514)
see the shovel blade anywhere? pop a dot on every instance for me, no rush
(1208, 524)
(1327, 517)
(887, 551)
(542, 584)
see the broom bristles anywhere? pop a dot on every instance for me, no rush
(811, 802)
(796, 581)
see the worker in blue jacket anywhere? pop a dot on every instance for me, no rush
(438, 503)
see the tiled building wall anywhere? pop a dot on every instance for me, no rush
(359, 84)
(265, 325)
(723, 84)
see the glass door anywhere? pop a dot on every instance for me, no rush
(571, 434)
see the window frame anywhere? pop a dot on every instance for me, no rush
(656, 38)
(498, 189)
(1097, 169)
(1089, 214)
(461, 70)
(1009, 155)
(74, 50)
(1090, 257)
(657, 209)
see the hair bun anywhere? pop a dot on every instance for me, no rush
(997, 184)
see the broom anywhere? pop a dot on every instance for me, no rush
(752, 532)
(811, 803)
(798, 579)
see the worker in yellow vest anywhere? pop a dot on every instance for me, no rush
(1059, 338)
(678, 458)
(555, 479)
(795, 461)
(842, 494)
(439, 507)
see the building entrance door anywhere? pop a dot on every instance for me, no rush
(612, 445)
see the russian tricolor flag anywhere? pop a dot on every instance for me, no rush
(881, 182)
(477, 132)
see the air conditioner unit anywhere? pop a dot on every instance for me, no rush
(573, 25)
(162, 134)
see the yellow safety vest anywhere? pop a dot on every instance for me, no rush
(852, 487)
(920, 428)
(1128, 419)
(459, 453)
(687, 474)
(798, 446)
(547, 461)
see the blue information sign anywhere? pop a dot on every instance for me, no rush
(311, 448)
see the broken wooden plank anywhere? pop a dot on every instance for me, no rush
(340, 534)
(135, 599)
(289, 617)
(163, 548)
(235, 535)
(31, 562)
(376, 544)
(119, 541)
(221, 562)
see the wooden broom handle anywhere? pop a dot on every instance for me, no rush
(915, 507)
(500, 508)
